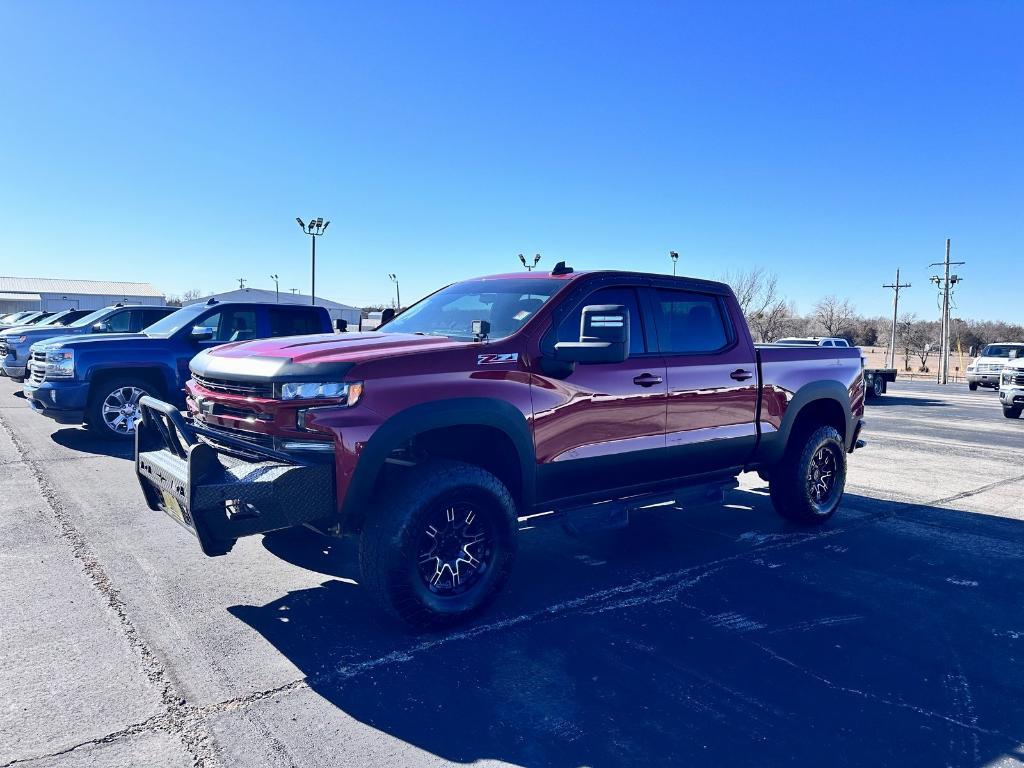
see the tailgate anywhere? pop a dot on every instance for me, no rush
(219, 497)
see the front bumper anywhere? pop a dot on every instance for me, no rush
(14, 371)
(63, 401)
(220, 498)
(984, 379)
(1011, 396)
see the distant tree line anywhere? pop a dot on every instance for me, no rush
(771, 318)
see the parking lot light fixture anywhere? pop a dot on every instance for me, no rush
(674, 255)
(277, 289)
(398, 295)
(314, 229)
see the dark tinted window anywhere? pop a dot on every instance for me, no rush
(231, 325)
(569, 329)
(150, 316)
(294, 322)
(689, 323)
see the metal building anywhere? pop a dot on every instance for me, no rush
(24, 293)
(337, 311)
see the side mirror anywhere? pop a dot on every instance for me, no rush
(1014, 354)
(201, 333)
(101, 327)
(604, 336)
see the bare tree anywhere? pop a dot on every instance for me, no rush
(757, 292)
(191, 295)
(905, 337)
(834, 316)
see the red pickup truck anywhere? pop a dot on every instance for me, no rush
(589, 394)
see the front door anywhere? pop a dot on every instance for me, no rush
(602, 425)
(712, 381)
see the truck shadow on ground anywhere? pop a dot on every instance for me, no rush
(81, 439)
(712, 637)
(893, 400)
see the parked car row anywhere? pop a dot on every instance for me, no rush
(986, 369)
(94, 369)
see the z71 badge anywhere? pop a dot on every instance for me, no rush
(504, 357)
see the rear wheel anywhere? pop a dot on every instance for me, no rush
(877, 387)
(807, 485)
(973, 386)
(440, 543)
(1013, 412)
(113, 408)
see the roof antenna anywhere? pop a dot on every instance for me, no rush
(561, 269)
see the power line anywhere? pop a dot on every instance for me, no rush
(895, 309)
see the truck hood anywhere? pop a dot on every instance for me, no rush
(46, 332)
(87, 340)
(296, 357)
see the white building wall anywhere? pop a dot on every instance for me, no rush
(54, 302)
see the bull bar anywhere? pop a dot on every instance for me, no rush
(216, 495)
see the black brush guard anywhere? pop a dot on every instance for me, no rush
(220, 497)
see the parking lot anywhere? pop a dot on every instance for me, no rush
(705, 637)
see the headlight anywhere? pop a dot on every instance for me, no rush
(350, 392)
(60, 364)
(19, 339)
(970, 368)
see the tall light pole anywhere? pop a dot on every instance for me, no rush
(398, 296)
(529, 267)
(675, 257)
(895, 308)
(314, 229)
(277, 289)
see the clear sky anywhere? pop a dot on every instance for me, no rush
(829, 142)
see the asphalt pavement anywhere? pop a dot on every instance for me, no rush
(716, 636)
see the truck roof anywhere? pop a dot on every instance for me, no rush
(683, 282)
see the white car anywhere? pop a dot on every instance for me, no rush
(985, 370)
(815, 341)
(1011, 387)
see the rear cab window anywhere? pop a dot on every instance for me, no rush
(691, 323)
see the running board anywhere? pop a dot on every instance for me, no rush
(614, 514)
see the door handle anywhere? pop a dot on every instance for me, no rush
(740, 375)
(647, 380)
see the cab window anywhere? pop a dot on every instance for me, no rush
(230, 325)
(690, 323)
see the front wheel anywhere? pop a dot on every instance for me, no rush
(973, 386)
(113, 408)
(1013, 412)
(439, 544)
(808, 484)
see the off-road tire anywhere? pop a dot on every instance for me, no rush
(790, 487)
(393, 533)
(94, 418)
(1013, 412)
(973, 386)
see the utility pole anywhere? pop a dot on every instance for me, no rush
(294, 290)
(277, 290)
(944, 284)
(529, 267)
(241, 283)
(398, 296)
(314, 229)
(675, 258)
(895, 309)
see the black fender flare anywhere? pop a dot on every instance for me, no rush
(456, 412)
(157, 370)
(773, 445)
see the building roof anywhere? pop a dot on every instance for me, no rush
(94, 287)
(20, 297)
(271, 296)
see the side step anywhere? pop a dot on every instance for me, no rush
(614, 514)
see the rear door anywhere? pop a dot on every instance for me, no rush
(599, 426)
(711, 374)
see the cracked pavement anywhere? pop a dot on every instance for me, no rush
(714, 636)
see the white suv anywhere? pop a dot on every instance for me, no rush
(1011, 387)
(985, 370)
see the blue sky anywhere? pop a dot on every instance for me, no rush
(828, 142)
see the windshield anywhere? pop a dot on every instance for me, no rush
(1002, 350)
(175, 321)
(53, 319)
(15, 317)
(506, 304)
(92, 317)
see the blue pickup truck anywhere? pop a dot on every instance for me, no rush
(99, 379)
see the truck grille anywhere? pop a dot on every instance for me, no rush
(990, 367)
(242, 388)
(37, 367)
(1014, 378)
